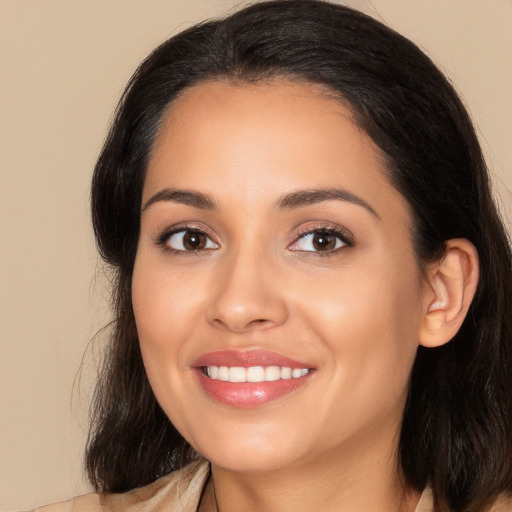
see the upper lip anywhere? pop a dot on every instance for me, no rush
(246, 359)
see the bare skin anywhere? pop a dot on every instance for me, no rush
(232, 258)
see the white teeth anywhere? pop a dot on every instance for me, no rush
(286, 373)
(254, 373)
(223, 373)
(237, 374)
(272, 373)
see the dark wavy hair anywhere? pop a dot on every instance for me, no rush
(457, 425)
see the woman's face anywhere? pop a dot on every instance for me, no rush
(274, 253)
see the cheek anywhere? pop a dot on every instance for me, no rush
(368, 298)
(163, 308)
(368, 318)
(165, 303)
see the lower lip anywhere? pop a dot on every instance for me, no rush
(249, 394)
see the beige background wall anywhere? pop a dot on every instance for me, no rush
(63, 65)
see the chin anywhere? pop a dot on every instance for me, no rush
(251, 452)
(250, 461)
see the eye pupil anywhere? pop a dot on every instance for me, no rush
(194, 241)
(324, 241)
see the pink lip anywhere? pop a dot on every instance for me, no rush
(248, 394)
(246, 359)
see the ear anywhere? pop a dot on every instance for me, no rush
(450, 288)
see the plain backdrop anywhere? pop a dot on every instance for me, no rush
(63, 66)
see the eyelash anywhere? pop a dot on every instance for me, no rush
(345, 237)
(342, 235)
(163, 239)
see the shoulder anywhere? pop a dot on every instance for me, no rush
(180, 490)
(502, 504)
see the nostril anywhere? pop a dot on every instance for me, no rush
(260, 321)
(259, 324)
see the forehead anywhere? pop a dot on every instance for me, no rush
(261, 111)
(254, 141)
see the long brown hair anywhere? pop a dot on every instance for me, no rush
(457, 427)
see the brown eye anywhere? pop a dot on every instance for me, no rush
(324, 241)
(320, 241)
(190, 240)
(194, 241)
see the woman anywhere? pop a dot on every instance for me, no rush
(313, 284)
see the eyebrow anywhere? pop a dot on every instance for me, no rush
(188, 197)
(302, 198)
(296, 199)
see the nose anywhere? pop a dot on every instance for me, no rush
(247, 295)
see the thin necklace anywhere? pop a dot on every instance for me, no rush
(216, 505)
(208, 499)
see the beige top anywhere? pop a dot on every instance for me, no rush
(180, 491)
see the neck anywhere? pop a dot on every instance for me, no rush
(340, 481)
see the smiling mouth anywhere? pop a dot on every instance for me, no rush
(250, 378)
(253, 374)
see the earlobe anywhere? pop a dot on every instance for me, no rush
(451, 287)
